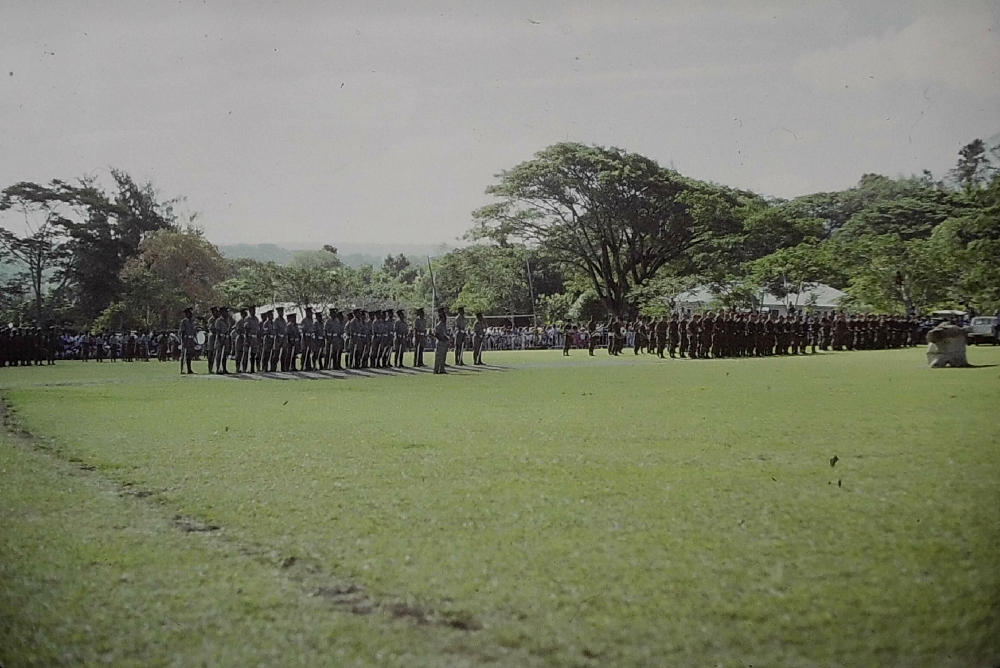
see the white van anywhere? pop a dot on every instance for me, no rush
(980, 330)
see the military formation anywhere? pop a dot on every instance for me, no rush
(245, 342)
(28, 346)
(736, 334)
(355, 339)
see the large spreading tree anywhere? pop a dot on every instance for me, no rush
(614, 215)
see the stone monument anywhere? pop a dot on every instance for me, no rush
(946, 346)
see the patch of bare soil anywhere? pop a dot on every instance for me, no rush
(187, 525)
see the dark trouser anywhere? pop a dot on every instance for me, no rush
(591, 343)
(187, 355)
(398, 347)
(318, 346)
(265, 353)
(240, 346)
(418, 349)
(661, 345)
(387, 347)
(459, 347)
(705, 346)
(336, 348)
(349, 345)
(366, 351)
(477, 348)
(277, 353)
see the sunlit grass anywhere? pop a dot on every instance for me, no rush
(595, 511)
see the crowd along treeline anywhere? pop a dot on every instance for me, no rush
(575, 232)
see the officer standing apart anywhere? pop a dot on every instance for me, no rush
(442, 336)
(186, 331)
(478, 339)
(460, 325)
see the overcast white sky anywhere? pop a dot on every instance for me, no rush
(385, 121)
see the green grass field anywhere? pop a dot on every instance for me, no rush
(581, 512)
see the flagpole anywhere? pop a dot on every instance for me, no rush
(531, 293)
(433, 285)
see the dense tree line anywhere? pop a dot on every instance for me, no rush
(575, 232)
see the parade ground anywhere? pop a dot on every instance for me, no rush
(837, 509)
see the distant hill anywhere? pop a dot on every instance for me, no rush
(259, 252)
(352, 255)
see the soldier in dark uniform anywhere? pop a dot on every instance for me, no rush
(567, 333)
(591, 335)
(838, 336)
(99, 347)
(210, 338)
(266, 340)
(252, 342)
(694, 336)
(442, 337)
(754, 347)
(351, 339)
(460, 327)
(294, 337)
(768, 339)
(187, 332)
(478, 339)
(720, 339)
(377, 334)
(223, 341)
(419, 338)
(368, 338)
(400, 335)
(51, 344)
(615, 336)
(660, 333)
(335, 339)
(684, 343)
(638, 331)
(319, 341)
(707, 336)
(719, 335)
(306, 339)
(673, 334)
(279, 354)
(239, 337)
(387, 338)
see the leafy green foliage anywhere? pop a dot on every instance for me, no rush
(309, 259)
(173, 270)
(614, 215)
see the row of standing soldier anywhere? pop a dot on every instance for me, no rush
(26, 346)
(731, 334)
(354, 339)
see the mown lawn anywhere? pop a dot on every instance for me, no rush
(559, 513)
